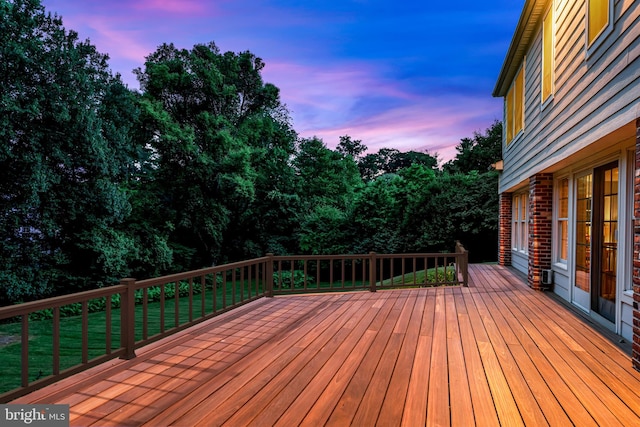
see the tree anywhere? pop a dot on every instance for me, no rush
(327, 181)
(350, 147)
(478, 153)
(209, 119)
(391, 160)
(376, 216)
(326, 177)
(64, 158)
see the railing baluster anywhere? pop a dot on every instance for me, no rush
(224, 289)
(85, 332)
(425, 262)
(203, 289)
(24, 356)
(305, 270)
(56, 340)
(233, 286)
(241, 284)
(176, 303)
(403, 268)
(145, 313)
(215, 292)
(161, 307)
(190, 299)
(107, 323)
(330, 273)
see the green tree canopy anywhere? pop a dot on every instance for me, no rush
(478, 153)
(64, 156)
(210, 120)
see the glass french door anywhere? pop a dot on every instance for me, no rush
(605, 218)
(584, 202)
(596, 241)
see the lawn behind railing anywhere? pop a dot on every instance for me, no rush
(44, 341)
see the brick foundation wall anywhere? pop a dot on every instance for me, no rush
(636, 255)
(540, 225)
(505, 224)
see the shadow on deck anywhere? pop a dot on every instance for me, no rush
(495, 353)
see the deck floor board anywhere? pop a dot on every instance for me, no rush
(495, 353)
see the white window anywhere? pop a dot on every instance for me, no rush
(519, 229)
(562, 221)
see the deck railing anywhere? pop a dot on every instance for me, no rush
(84, 329)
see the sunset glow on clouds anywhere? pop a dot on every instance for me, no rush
(408, 75)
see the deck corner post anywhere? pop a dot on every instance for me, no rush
(465, 271)
(462, 260)
(127, 318)
(373, 272)
(269, 278)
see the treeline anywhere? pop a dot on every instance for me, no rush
(202, 166)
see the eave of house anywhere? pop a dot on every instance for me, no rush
(526, 30)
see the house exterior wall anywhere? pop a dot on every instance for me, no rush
(591, 119)
(593, 91)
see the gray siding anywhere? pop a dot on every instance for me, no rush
(595, 92)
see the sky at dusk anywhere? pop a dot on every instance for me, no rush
(410, 75)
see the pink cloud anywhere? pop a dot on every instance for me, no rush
(172, 6)
(109, 38)
(327, 103)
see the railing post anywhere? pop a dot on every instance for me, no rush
(127, 319)
(269, 278)
(462, 257)
(465, 272)
(373, 271)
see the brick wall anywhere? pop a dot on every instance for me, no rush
(636, 255)
(540, 224)
(505, 224)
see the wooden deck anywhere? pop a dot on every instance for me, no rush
(496, 353)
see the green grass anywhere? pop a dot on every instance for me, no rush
(41, 333)
(422, 277)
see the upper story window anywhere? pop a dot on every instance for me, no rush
(598, 18)
(514, 107)
(547, 55)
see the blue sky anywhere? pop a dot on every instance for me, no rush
(411, 75)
